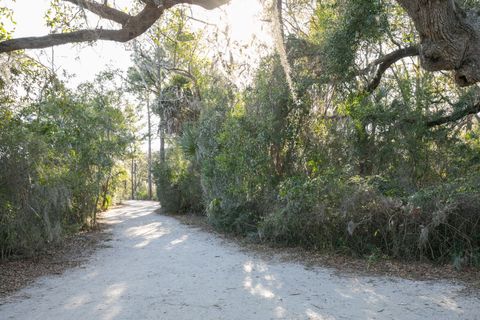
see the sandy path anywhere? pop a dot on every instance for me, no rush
(157, 268)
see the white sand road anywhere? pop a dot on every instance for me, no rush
(156, 268)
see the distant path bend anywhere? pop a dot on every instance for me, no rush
(156, 268)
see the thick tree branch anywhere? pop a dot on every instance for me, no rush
(387, 61)
(103, 11)
(132, 26)
(455, 116)
(61, 38)
(132, 29)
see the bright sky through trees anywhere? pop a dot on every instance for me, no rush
(241, 18)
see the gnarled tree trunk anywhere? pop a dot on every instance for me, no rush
(449, 37)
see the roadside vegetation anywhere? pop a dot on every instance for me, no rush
(58, 155)
(340, 164)
(339, 142)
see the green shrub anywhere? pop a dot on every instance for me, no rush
(450, 213)
(441, 223)
(57, 156)
(341, 169)
(237, 177)
(178, 185)
(306, 214)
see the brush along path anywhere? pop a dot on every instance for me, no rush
(156, 268)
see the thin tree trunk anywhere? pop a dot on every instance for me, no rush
(105, 194)
(149, 150)
(133, 179)
(95, 210)
(162, 144)
(162, 117)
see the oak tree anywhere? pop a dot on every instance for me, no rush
(449, 32)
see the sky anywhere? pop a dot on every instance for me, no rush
(243, 18)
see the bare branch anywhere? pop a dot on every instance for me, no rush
(455, 116)
(135, 27)
(58, 39)
(132, 26)
(387, 61)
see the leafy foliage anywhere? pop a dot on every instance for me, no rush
(58, 158)
(391, 171)
(178, 183)
(341, 169)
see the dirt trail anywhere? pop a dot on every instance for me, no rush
(156, 268)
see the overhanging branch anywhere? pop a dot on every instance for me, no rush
(103, 11)
(387, 61)
(455, 116)
(132, 26)
(56, 39)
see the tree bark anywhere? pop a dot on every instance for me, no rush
(449, 34)
(149, 149)
(455, 116)
(132, 173)
(132, 26)
(449, 37)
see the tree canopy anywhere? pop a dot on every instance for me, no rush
(448, 30)
(349, 137)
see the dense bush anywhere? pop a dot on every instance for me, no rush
(57, 165)
(441, 223)
(178, 184)
(361, 186)
(450, 220)
(236, 176)
(349, 157)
